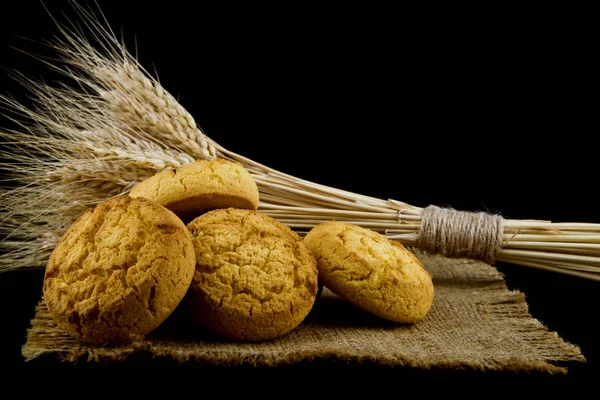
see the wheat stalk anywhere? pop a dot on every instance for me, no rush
(82, 146)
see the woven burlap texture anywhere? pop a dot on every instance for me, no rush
(475, 323)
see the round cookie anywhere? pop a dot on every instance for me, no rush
(119, 271)
(201, 186)
(255, 279)
(370, 271)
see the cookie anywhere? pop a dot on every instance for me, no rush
(119, 271)
(255, 279)
(370, 271)
(201, 186)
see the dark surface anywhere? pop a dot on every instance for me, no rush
(480, 115)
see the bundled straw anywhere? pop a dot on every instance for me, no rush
(80, 146)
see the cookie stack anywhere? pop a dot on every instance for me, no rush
(122, 268)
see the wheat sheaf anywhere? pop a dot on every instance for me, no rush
(116, 126)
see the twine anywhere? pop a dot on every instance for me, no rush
(461, 234)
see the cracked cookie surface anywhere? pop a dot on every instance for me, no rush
(119, 271)
(201, 186)
(372, 272)
(255, 279)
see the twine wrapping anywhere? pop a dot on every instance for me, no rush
(461, 234)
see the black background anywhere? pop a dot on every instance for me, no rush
(476, 109)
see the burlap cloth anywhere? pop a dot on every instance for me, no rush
(475, 323)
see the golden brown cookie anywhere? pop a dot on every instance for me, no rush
(195, 188)
(255, 279)
(119, 271)
(370, 271)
